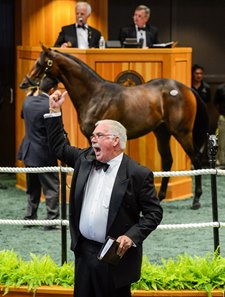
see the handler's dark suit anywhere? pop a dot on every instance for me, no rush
(130, 32)
(133, 193)
(69, 33)
(35, 152)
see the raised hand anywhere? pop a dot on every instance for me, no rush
(56, 100)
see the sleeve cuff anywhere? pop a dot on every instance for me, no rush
(133, 244)
(52, 115)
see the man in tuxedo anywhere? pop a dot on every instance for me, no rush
(144, 32)
(80, 34)
(35, 152)
(111, 195)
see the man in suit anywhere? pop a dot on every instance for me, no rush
(79, 35)
(144, 32)
(199, 84)
(35, 152)
(118, 200)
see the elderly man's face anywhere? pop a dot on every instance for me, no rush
(81, 13)
(104, 143)
(140, 18)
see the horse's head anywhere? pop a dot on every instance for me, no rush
(43, 66)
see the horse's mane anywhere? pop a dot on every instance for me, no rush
(80, 63)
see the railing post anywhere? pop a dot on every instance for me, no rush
(63, 217)
(212, 151)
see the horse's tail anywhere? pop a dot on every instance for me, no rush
(201, 125)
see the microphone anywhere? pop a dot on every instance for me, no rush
(80, 20)
(82, 24)
(141, 41)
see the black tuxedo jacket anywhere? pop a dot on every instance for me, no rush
(134, 208)
(130, 32)
(34, 149)
(69, 33)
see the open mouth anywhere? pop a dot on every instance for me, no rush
(97, 149)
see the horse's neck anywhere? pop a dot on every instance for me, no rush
(78, 81)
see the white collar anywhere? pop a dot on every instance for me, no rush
(115, 161)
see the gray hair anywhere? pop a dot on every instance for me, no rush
(88, 6)
(145, 8)
(117, 129)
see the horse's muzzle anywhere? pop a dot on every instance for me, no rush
(24, 85)
(28, 82)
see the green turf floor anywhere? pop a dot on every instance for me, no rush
(160, 244)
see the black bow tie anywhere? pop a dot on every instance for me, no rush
(98, 165)
(143, 29)
(81, 26)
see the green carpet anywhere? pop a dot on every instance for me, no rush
(160, 244)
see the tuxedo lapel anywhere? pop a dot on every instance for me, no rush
(133, 32)
(149, 37)
(82, 178)
(72, 35)
(118, 192)
(91, 36)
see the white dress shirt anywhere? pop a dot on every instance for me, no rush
(141, 34)
(95, 207)
(82, 37)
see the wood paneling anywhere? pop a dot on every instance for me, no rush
(108, 63)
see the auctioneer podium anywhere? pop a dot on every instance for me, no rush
(131, 65)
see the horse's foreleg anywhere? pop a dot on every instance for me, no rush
(163, 143)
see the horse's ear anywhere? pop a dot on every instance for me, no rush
(44, 48)
(47, 50)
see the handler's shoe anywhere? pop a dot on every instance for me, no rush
(29, 226)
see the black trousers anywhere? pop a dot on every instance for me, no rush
(49, 182)
(94, 277)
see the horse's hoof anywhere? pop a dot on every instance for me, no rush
(196, 205)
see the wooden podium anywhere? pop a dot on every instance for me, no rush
(172, 63)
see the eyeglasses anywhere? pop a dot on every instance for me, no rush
(100, 135)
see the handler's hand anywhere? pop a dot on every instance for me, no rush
(125, 244)
(66, 45)
(56, 100)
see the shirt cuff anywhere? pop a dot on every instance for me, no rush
(133, 244)
(52, 115)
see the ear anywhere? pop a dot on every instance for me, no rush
(50, 53)
(116, 141)
(45, 49)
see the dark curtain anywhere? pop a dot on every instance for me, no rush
(7, 81)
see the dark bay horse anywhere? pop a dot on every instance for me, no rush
(164, 106)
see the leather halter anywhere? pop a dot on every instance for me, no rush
(49, 65)
(37, 84)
